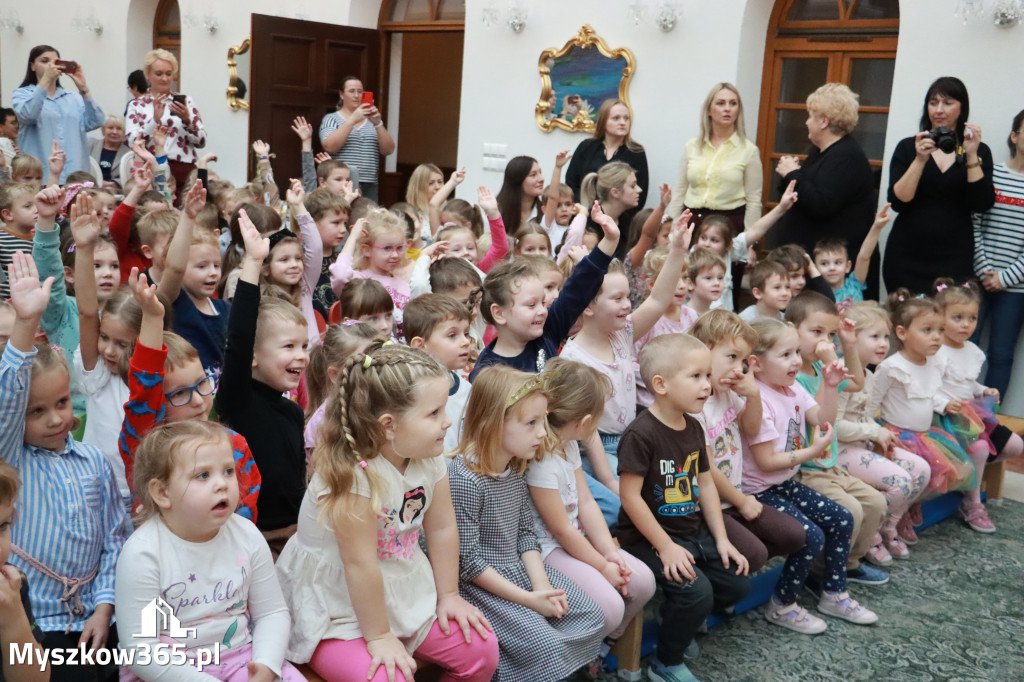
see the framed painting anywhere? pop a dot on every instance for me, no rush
(578, 78)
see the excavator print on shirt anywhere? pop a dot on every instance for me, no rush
(681, 492)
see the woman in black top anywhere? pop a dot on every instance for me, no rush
(835, 181)
(935, 193)
(611, 142)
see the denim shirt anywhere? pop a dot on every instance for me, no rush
(65, 117)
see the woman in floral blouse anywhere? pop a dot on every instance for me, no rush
(185, 131)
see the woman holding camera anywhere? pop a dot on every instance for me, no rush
(48, 113)
(937, 179)
(355, 135)
(176, 112)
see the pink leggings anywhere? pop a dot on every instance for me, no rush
(338, 660)
(618, 611)
(902, 479)
(232, 668)
(979, 454)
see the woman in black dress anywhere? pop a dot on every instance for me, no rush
(935, 193)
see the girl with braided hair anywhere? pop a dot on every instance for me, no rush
(362, 593)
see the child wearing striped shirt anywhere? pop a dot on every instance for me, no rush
(72, 524)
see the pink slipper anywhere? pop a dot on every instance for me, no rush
(976, 517)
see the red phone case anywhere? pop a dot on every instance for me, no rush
(367, 98)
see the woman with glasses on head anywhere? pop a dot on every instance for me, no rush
(999, 261)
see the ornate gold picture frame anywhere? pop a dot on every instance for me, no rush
(237, 87)
(576, 79)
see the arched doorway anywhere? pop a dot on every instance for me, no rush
(422, 50)
(167, 31)
(812, 42)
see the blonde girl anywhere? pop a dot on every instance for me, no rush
(868, 450)
(72, 523)
(547, 627)
(326, 361)
(364, 596)
(192, 554)
(366, 300)
(376, 250)
(610, 192)
(571, 531)
(974, 425)
(531, 240)
(908, 391)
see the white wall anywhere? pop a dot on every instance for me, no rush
(127, 36)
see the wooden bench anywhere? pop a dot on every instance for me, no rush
(992, 481)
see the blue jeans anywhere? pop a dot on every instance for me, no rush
(606, 500)
(1004, 310)
(369, 190)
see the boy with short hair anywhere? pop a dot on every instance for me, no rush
(336, 176)
(19, 214)
(707, 273)
(190, 279)
(330, 212)
(559, 209)
(817, 322)
(769, 283)
(832, 259)
(439, 324)
(155, 230)
(8, 133)
(671, 517)
(802, 273)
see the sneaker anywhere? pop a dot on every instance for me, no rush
(915, 514)
(659, 672)
(794, 617)
(905, 529)
(841, 605)
(896, 546)
(976, 517)
(866, 575)
(692, 652)
(879, 555)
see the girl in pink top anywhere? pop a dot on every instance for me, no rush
(381, 243)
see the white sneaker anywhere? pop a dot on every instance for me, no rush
(794, 617)
(841, 605)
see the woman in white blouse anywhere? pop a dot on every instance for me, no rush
(176, 112)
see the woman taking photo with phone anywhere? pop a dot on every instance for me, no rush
(176, 112)
(48, 113)
(355, 135)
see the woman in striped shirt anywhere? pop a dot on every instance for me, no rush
(999, 260)
(347, 136)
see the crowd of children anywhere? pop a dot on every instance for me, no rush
(339, 439)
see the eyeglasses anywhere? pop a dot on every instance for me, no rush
(183, 396)
(391, 248)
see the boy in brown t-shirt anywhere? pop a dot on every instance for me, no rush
(671, 517)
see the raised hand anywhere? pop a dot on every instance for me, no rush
(457, 177)
(85, 225)
(435, 250)
(158, 106)
(56, 162)
(295, 193)
(321, 157)
(28, 296)
(882, 218)
(261, 148)
(159, 136)
(847, 331)
(665, 195)
(143, 176)
(682, 233)
(257, 247)
(144, 154)
(48, 202)
(195, 200)
(351, 192)
(206, 159)
(146, 294)
(562, 158)
(789, 197)
(487, 202)
(834, 373)
(302, 128)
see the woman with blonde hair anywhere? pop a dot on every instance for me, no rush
(611, 141)
(109, 150)
(835, 181)
(174, 111)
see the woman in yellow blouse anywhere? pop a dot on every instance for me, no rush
(721, 169)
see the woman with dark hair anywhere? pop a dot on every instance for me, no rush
(999, 261)
(611, 142)
(935, 192)
(355, 135)
(48, 113)
(519, 198)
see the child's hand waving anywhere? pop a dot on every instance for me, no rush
(257, 247)
(666, 195)
(682, 233)
(195, 200)
(56, 162)
(881, 218)
(85, 225)
(789, 197)
(562, 158)
(487, 202)
(145, 294)
(295, 194)
(847, 332)
(302, 128)
(834, 373)
(28, 296)
(48, 203)
(453, 607)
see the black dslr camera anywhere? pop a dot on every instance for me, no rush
(944, 139)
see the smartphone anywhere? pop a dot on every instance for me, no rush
(367, 97)
(180, 99)
(69, 66)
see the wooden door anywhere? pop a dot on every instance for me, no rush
(297, 67)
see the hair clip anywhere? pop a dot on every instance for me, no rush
(71, 247)
(389, 342)
(362, 463)
(367, 361)
(942, 287)
(968, 285)
(532, 384)
(349, 322)
(56, 348)
(901, 298)
(920, 296)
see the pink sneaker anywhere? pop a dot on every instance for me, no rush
(976, 517)
(879, 555)
(905, 529)
(897, 548)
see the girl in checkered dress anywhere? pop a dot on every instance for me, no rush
(547, 627)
